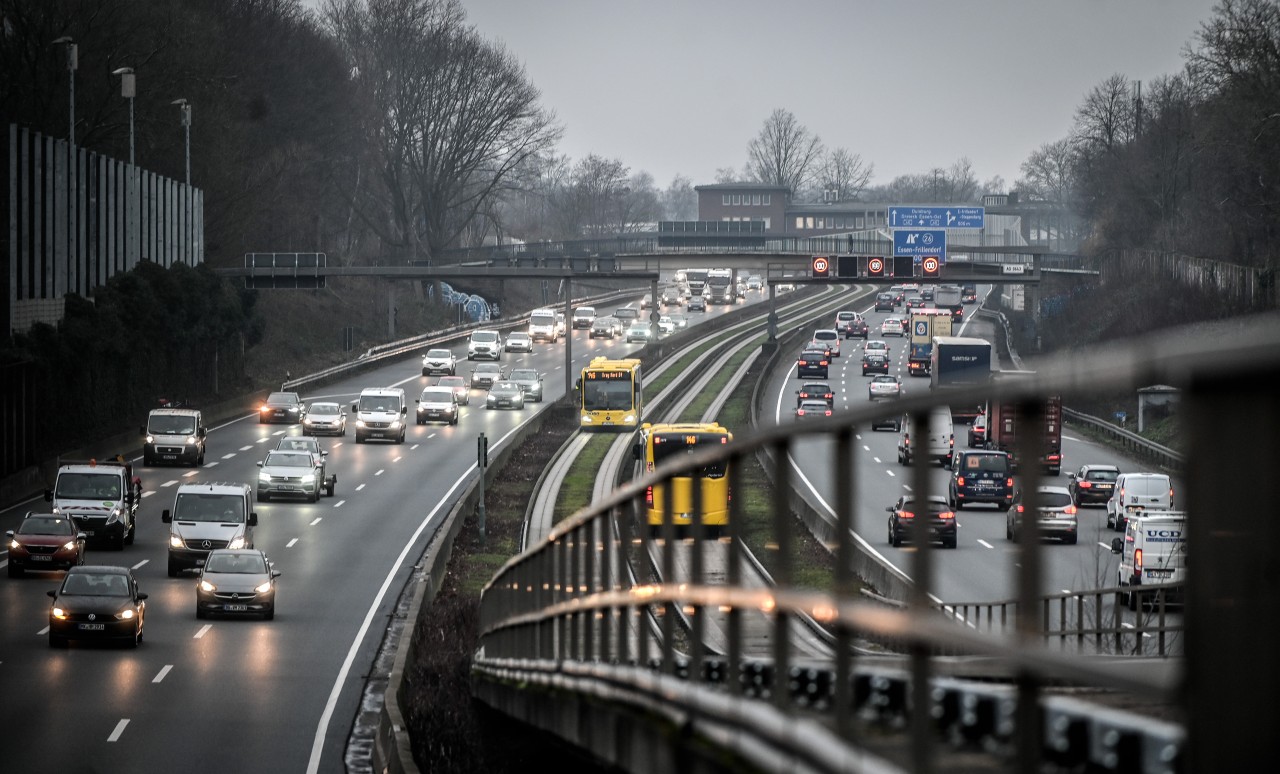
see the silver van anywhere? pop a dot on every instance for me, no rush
(1152, 551)
(174, 436)
(937, 442)
(380, 413)
(1135, 493)
(206, 517)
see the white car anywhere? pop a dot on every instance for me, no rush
(439, 361)
(639, 331)
(875, 346)
(892, 326)
(884, 386)
(519, 341)
(666, 326)
(830, 338)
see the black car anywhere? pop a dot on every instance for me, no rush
(100, 603)
(874, 363)
(885, 302)
(237, 582)
(980, 477)
(812, 364)
(1093, 483)
(942, 520)
(815, 391)
(281, 407)
(978, 431)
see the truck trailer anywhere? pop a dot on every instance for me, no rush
(925, 326)
(1004, 420)
(960, 362)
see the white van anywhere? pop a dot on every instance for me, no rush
(1152, 551)
(584, 317)
(1138, 492)
(206, 517)
(542, 325)
(380, 413)
(938, 442)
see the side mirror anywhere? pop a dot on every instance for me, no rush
(166, 516)
(889, 509)
(8, 534)
(141, 595)
(253, 518)
(404, 410)
(354, 408)
(275, 573)
(1071, 475)
(202, 432)
(53, 594)
(259, 463)
(1117, 545)
(81, 536)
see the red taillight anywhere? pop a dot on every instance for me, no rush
(960, 481)
(1070, 509)
(946, 515)
(799, 362)
(1055, 457)
(1008, 481)
(799, 412)
(828, 412)
(906, 515)
(823, 363)
(1086, 485)
(951, 441)
(1137, 559)
(1019, 508)
(648, 495)
(265, 408)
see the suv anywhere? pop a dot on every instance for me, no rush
(282, 407)
(1093, 483)
(173, 435)
(380, 413)
(942, 520)
(484, 345)
(937, 442)
(100, 498)
(981, 477)
(439, 361)
(811, 364)
(530, 380)
(206, 517)
(830, 338)
(486, 375)
(1057, 515)
(885, 302)
(292, 474)
(1138, 492)
(438, 403)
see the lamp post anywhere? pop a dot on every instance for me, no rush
(186, 125)
(73, 60)
(128, 90)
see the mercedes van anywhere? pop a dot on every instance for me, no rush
(206, 517)
(380, 413)
(1137, 492)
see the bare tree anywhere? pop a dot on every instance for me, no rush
(994, 185)
(784, 153)
(845, 173)
(1105, 120)
(680, 201)
(1048, 173)
(726, 175)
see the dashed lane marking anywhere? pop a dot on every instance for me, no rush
(202, 631)
(163, 671)
(316, 521)
(115, 735)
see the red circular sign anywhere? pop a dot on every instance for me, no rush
(930, 264)
(820, 265)
(875, 265)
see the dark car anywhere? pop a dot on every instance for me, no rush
(237, 582)
(812, 364)
(815, 391)
(1057, 515)
(100, 603)
(44, 541)
(697, 304)
(942, 520)
(980, 477)
(626, 314)
(813, 408)
(978, 432)
(913, 302)
(485, 375)
(281, 407)
(1093, 483)
(885, 302)
(874, 363)
(505, 395)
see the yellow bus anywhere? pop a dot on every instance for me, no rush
(665, 442)
(611, 395)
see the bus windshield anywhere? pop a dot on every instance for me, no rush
(668, 446)
(607, 395)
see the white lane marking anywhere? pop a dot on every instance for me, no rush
(360, 487)
(263, 440)
(202, 631)
(245, 448)
(985, 543)
(433, 435)
(1130, 626)
(904, 486)
(278, 432)
(228, 456)
(317, 521)
(379, 473)
(1104, 545)
(877, 459)
(191, 473)
(867, 448)
(890, 472)
(139, 564)
(339, 504)
(858, 436)
(1067, 591)
(148, 493)
(396, 459)
(1071, 438)
(169, 483)
(290, 543)
(163, 671)
(411, 448)
(207, 465)
(42, 632)
(115, 735)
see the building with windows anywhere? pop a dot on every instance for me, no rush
(769, 205)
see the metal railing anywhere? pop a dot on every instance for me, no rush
(564, 607)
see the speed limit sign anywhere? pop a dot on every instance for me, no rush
(821, 266)
(875, 267)
(930, 265)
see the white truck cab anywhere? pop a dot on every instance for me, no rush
(100, 497)
(381, 412)
(542, 326)
(1153, 551)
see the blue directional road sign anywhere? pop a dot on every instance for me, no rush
(937, 217)
(920, 242)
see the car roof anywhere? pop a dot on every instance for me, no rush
(814, 402)
(1052, 489)
(99, 569)
(806, 385)
(1101, 467)
(932, 499)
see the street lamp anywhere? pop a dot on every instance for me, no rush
(128, 90)
(186, 125)
(73, 59)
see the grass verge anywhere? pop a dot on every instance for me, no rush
(579, 483)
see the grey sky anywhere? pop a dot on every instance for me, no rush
(681, 87)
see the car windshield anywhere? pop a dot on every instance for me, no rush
(488, 368)
(884, 380)
(209, 506)
(288, 459)
(626, 313)
(826, 336)
(324, 409)
(299, 444)
(437, 395)
(282, 397)
(88, 486)
(1102, 475)
(380, 403)
(986, 463)
(1055, 499)
(505, 388)
(484, 336)
(46, 525)
(241, 564)
(814, 405)
(438, 354)
(171, 425)
(524, 375)
(451, 381)
(545, 318)
(518, 336)
(84, 584)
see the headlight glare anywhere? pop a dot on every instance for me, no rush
(207, 586)
(176, 541)
(59, 613)
(264, 587)
(70, 545)
(237, 542)
(126, 614)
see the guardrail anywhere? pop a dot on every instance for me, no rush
(555, 648)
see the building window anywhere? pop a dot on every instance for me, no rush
(767, 198)
(737, 199)
(839, 223)
(799, 223)
(725, 200)
(808, 222)
(831, 223)
(859, 225)
(766, 221)
(755, 199)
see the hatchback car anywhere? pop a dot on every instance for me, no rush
(519, 341)
(603, 327)
(878, 346)
(812, 364)
(439, 361)
(325, 419)
(815, 391)
(438, 404)
(626, 314)
(44, 541)
(696, 304)
(913, 302)
(485, 375)
(978, 432)
(874, 363)
(813, 409)
(639, 331)
(100, 603)
(885, 302)
(892, 326)
(282, 407)
(942, 520)
(530, 381)
(237, 582)
(459, 386)
(1092, 483)
(1057, 515)
(754, 282)
(505, 395)
(884, 386)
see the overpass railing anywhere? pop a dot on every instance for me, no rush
(560, 620)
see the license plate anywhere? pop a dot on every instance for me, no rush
(199, 563)
(42, 558)
(1159, 573)
(88, 533)
(94, 627)
(235, 608)
(169, 456)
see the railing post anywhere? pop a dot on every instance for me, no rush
(696, 645)
(1030, 449)
(844, 475)
(922, 722)
(668, 577)
(734, 623)
(589, 586)
(782, 575)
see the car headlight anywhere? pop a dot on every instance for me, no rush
(629, 419)
(59, 613)
(395, 423)
(14, 543)
(264, 477)
(308, 421)
(309, 478)
(263, 588)
(175, 541)
(191, 439)
(70, 545)
(151, 439)
(126, 614)
(207, 586)
(114, 515)
(236, 542)
(359, 423)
